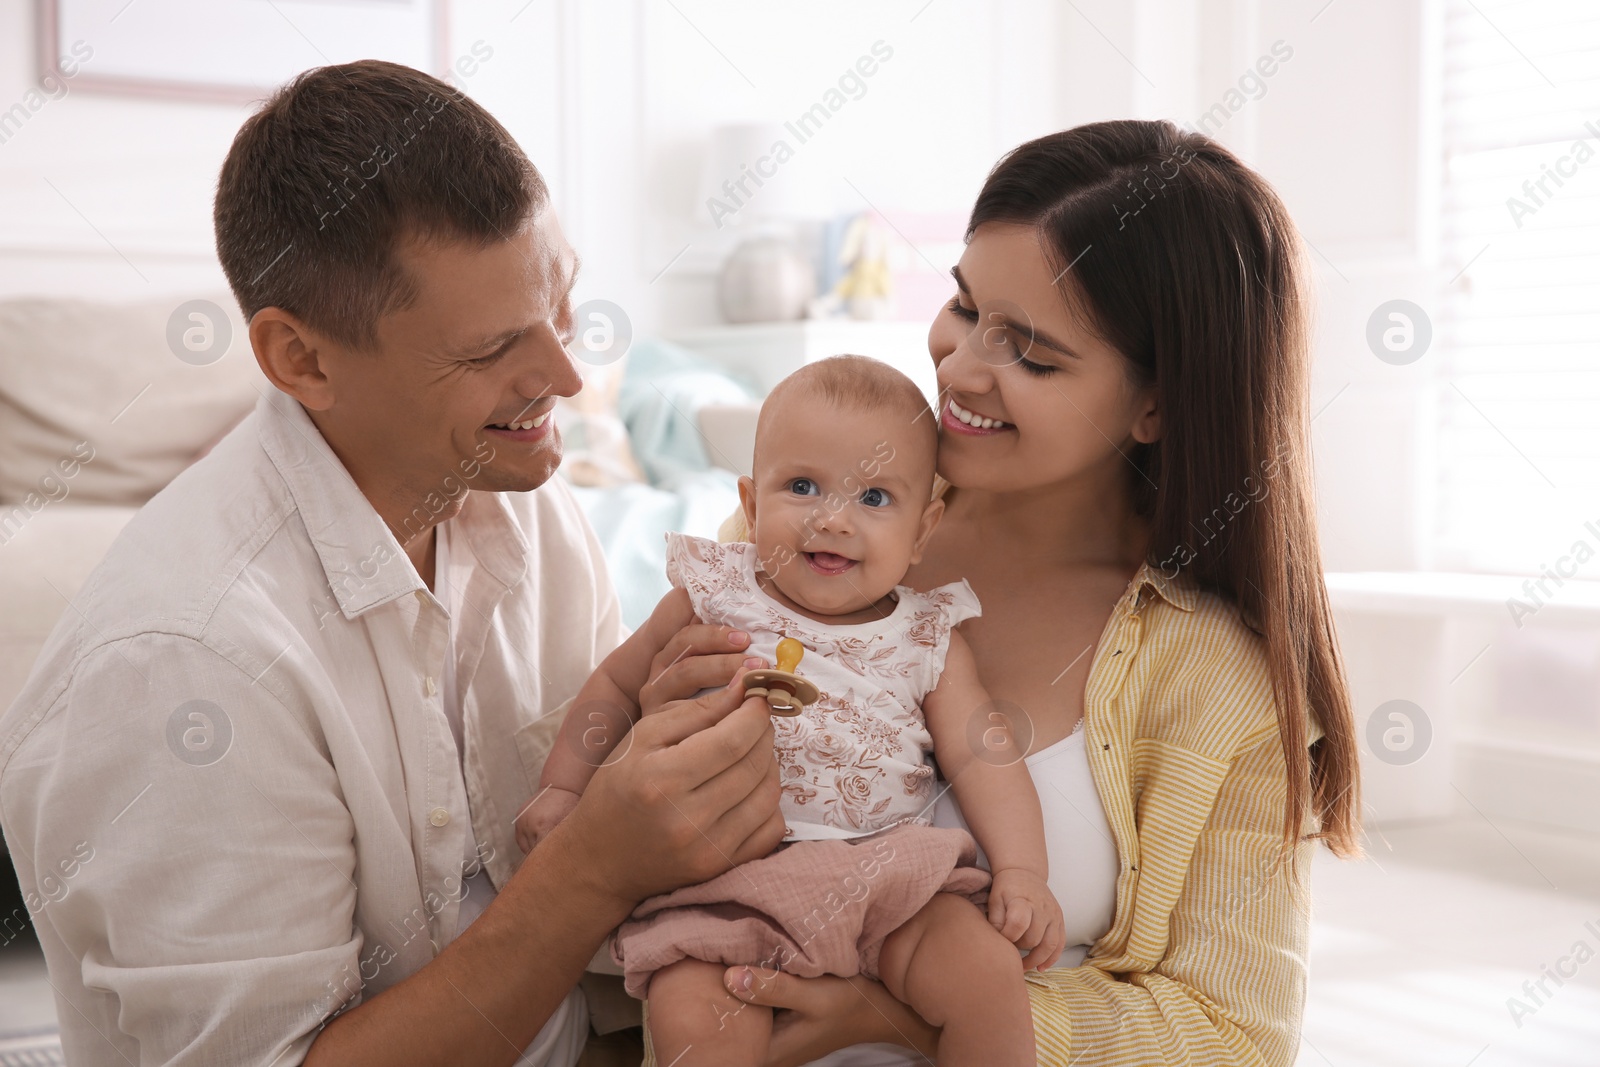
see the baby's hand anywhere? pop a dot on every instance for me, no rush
(542, 815)
(1023, 909)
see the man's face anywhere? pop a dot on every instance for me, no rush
(445, 397)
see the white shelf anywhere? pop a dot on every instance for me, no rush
(1445, 592)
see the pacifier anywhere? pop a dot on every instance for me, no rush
(786, 691)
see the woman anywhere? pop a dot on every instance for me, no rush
(1124, 371)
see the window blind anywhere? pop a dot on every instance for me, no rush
(1519, 329)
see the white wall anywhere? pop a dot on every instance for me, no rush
(1343, 131)
(615, 101)
(103, 194)
(1345, 135)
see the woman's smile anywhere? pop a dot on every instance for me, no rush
(961, 420)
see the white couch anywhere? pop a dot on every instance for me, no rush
(97, 413)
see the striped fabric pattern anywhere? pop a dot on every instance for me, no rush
(1205, 961)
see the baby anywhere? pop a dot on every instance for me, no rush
(839, 509)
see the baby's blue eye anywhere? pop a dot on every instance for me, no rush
(804, 487)
(876, 498)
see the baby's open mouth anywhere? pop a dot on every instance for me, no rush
(829, 562)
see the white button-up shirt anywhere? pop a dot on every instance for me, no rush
(229, 786)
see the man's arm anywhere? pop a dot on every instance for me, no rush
(215, 920)
(695, 792)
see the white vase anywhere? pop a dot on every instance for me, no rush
(765, 279)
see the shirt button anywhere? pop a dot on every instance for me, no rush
(428, 686)
(438, 816)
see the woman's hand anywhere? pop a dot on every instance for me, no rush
(694, 655)
(817, 1016)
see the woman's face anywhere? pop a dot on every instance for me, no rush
(1031, 397)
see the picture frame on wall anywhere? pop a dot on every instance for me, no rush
(229, 50)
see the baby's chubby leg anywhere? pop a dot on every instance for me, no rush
(695, 1022)
(961, 974)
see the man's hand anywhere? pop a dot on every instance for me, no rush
(1024, 910)
(543, 814)
(691, 792)
(697, 656)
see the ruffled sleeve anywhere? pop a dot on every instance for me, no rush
(960, 603)
(703, 569)
(938, 611)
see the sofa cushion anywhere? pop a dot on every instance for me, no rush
(106, 403)
(45, 557)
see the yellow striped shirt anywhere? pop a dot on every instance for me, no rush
(1205, 961)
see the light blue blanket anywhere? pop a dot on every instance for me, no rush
(662, 392)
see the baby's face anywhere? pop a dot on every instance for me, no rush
(839, 506)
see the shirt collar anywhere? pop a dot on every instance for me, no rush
(1178, 590)
(361, 558)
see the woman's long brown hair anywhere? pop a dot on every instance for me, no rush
(1189, 266)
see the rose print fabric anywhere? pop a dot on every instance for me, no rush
(853, 762)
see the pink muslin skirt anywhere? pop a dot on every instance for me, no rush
(808, 909)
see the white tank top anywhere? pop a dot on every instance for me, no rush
(1083, 867)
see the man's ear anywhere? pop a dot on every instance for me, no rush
(292, 356)
(925, 527)
(1147, 426)
(747, 501)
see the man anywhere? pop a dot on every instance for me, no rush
(267, 767)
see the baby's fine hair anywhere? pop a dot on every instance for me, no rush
(859, 382)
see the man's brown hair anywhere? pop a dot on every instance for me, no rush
(337, 168)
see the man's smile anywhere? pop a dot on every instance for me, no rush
(524, 427)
